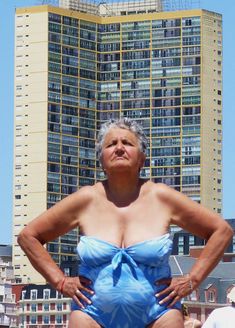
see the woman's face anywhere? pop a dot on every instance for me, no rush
(121, 151)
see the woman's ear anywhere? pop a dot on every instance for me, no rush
(101, 163)
(142, 160)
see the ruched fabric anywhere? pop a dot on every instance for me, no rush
(123, 280)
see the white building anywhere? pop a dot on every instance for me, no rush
(42, 306)
(8, 312)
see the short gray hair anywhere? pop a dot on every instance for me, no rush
(122, 123)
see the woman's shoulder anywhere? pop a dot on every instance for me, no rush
(161, 189)
(89, 192)
(163, 193)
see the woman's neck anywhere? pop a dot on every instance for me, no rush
(123, 190)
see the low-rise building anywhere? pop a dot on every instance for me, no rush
(43, 306)
(212, 292)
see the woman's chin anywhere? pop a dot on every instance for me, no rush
(122, 170)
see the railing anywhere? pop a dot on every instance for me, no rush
(11, 311)
(2, 308)
(5, 322)
(9, 300)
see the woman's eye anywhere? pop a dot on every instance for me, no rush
(110, 145)
(126, 142)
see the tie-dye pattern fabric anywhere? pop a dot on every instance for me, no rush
(123, 280)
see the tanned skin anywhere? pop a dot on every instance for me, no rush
(131, 210)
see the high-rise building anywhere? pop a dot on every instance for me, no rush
(75, 69)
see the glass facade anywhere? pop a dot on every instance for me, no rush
(146, 70)
(71, 116)
(150, 71)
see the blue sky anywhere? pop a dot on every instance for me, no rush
(7, 10)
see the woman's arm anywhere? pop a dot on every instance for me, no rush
(204, 223)
(58, 220)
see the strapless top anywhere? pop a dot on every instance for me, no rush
(95, 253)
(123, 280)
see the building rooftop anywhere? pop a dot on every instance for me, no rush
(221, 278)
(123, 7)
(113, 8)
(182, 264)
(5, 250)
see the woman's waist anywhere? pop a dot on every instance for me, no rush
(127, 290)
(125, 273)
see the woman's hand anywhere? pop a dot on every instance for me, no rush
(177, 288)
(74, 288)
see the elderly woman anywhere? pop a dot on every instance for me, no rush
(124, 280)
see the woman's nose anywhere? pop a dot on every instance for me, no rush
(119, 146)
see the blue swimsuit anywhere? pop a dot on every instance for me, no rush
(123, 280)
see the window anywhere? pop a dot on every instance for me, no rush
(191, 240)
(33, 307)
(33, 294)
(46, 319)
(67, 272)
(58, 319)
(33, 319)
(23, 294)
(180, 250)
(211, 296)
(46, 306)
(59, 306)
(46, 294)
(227, 293)
(181, 240)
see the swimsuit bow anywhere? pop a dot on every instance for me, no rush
(119, 258)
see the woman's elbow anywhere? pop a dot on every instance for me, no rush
(25, 238)
(226, 231)
(231, 231)
(22, 237)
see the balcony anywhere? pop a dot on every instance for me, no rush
(4, 321)
(11, 312)
(2, 308)
(9, 299)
